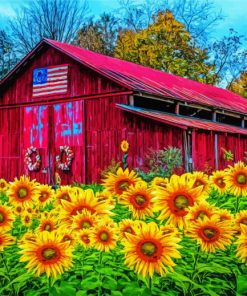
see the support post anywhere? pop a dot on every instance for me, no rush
(216, 154)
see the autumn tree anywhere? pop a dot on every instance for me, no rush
(239, 85)
(55, 19)
(99, 35)
(166, 45)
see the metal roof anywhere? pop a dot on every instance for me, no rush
(143, 79)
(183, 122)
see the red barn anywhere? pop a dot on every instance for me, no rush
(61, 97)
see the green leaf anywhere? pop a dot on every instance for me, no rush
(90, 283)
(109, 283)
(81, 293)
(116, 293)
(242, 284)
(104, 270)
(132, 291)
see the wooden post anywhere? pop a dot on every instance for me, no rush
(242, 122)
(186, 156)
(216, 154)
(131, 100)
(177, 109)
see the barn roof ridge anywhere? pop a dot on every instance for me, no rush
(144, 79)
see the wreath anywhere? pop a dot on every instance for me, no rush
(64, 166)
(32, 166)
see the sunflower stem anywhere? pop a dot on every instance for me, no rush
(149, 283)
(237, 204)
(49, 284)
(7, 270)
(193, 270)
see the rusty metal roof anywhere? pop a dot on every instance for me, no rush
(183, 122)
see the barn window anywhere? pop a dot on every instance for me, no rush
(223, 118)
(159, 105)
(195, 112)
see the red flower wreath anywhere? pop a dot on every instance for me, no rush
(64, 166)
(32, 166)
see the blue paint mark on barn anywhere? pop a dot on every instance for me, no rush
(77, 128)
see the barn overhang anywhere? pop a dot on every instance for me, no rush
(183, 122)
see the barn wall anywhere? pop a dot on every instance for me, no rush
(82, 81)
(107, 126)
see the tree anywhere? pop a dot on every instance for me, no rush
(229, 57)
(239, 85)
(99, 35)
(55, 19)
(166, 45)
(8, 57)
(198, 16)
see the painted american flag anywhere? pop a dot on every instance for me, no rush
(50, 80)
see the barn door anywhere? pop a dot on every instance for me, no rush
(36, 134)
(68, 131)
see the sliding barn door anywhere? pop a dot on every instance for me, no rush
(36, 134)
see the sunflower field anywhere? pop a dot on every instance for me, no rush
(186, 235)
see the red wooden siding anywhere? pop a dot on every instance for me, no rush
(10, 143)
(82, 80)
(105, 132)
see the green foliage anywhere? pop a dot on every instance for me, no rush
(161, 163)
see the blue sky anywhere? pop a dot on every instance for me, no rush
(235, 12)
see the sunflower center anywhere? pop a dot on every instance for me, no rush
(65, 197)
(201, 215)
(243, 221)
(27, 219)
(22, 192)
(128, 229)
(241, 179)
(123, 185)
(198, 183)
(209, 232)
(49, 254)
(220, 182)
(104, 236)
(47, 227)
(148, 249)
(2, 184)
(181, 202)
(85, 238)
(86, 224)
(43, 196)
(1, 218)
(140, 199)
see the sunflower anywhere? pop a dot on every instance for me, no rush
(67, 235)
(200, 179)
(5, 240)
(174, 200)
(6, 218)
(126, 226)
(47, 254)
(211, 233)
(170, 230)
(26, 219)
(120, 182)
(159, 181)
(3, 185)
(218, 182)
(28, 236)
(149, 251)
(106, 197)
(23, 191)
(199, 211)
(242, 244)
(46, 194)
(18, 210)
(84, 220)
(84, 237)
(236, 178)
(241, 219)
(47, 224)
(124, 146)
(224, 214)
(64, 193)
(139, 200)
(83, 199)
(104, 236)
